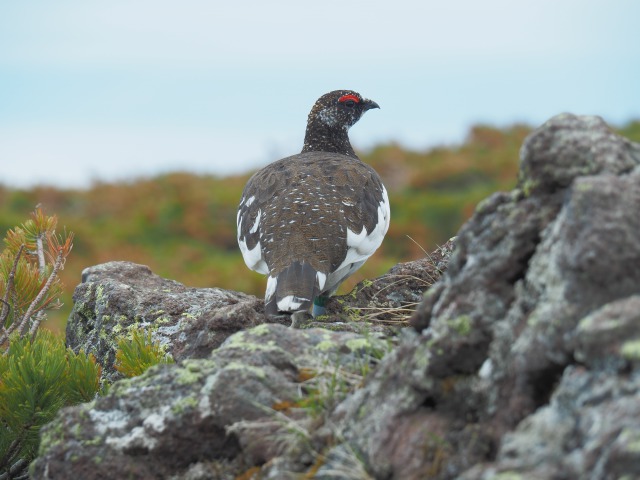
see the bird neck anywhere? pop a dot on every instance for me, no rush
(323, 138)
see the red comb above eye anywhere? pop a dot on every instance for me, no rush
(347, 97)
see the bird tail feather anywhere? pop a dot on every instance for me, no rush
(292, 290)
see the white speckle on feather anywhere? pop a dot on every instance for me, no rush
(256, 224)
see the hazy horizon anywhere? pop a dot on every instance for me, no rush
(105, 92)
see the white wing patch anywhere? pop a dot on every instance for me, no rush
(361, 246)
(253, 258)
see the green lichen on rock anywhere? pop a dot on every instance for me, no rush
(631, 350)
(358, 344)
(371, 346)
(192, 371)
(260, 330)
(188, 374)
(326, 345)
(104, 334)
(51, 436)
(509, 476)
(244, 341)
(461, 325)
(420, 360)
(184, 404)
(527, 186)
(631, 440)
(250, 369)
(99, 295)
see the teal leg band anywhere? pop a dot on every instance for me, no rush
(318, 306)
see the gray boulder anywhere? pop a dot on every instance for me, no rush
(536, 279)
(215, 417)
(191, 322)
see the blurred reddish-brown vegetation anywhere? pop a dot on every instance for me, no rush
(183, 226)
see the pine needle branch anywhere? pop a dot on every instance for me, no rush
(22, 325)
(20, 465)
(41, 295)
(6, 308)
(12, 451)
(42, 268)
(42, 265)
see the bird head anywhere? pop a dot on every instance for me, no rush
(340, 109)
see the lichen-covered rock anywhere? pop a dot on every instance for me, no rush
(609, 338)
(406, 423)
(587, 258)
(492, 253)
(589, 430)
(191, 322)
(534, 273)
(570, 146)
(223, 414)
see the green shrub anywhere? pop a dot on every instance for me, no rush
(37, 378)
(137, 352)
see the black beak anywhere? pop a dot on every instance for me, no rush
(369, 104)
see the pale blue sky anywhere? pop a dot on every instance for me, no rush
(113, 90)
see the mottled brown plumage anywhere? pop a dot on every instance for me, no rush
(310, 220)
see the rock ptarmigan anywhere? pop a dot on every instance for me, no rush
(310, 220)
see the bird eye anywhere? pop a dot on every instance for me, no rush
(349, 100)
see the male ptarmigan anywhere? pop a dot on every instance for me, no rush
(312, 219)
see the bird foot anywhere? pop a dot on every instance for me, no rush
(300, 319)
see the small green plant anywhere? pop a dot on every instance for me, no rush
(38, 377)
(137, 352)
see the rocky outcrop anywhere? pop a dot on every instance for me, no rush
(191, 322)
(524, 359)
(214, 417)
(507, 339)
